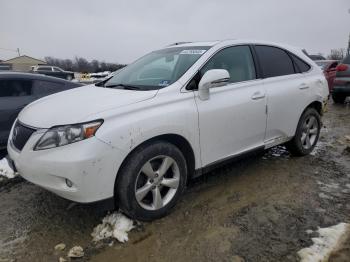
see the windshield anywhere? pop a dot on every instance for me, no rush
(157, 69)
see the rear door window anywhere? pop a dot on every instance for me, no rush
(15, 88)
(44, 68)
(42, 88)
(274, 61)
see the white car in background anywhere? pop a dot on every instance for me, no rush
(171, 115)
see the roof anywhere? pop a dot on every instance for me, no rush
(227, 42)
(317, 57)
(22, 56)
(232, 42)
(326, 61)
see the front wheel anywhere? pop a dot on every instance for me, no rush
(151, 181)
(307, 133)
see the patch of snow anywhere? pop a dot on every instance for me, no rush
(324, 196)
(5, 169)
(319, 146)
(328, 241)
(114, 225)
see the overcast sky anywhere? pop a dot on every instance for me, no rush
(121, 31)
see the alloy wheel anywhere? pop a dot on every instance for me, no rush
(309, 133)
(157, 182)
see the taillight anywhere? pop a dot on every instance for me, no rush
(342, 67)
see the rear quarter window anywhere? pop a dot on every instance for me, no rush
(274, 61)
(300, 65)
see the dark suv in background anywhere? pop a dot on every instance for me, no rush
(53, 71)
(341, 87)
(18, 90)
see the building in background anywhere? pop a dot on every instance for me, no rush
(21, 63)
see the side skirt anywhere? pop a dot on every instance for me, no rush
(228, 160)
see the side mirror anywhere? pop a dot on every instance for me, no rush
(212, 78)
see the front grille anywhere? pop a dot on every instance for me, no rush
(20, 135)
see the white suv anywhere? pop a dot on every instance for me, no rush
(171, 115)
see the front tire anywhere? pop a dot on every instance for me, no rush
(307, 133)
(151, 181)
(338, 99)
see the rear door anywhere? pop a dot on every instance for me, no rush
(233, 120)
(287, 90)
(15, 94)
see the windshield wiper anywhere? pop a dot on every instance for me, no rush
(126, 87)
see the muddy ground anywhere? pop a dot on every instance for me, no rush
(258, 209)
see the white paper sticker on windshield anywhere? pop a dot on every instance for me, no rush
(192, 52)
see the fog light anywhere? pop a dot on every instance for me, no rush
(69, 183)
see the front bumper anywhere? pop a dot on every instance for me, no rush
(91, 165)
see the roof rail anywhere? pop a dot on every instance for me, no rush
(179, 43)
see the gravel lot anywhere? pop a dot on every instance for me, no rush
(258, 209)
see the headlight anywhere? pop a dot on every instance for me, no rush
(64, 135)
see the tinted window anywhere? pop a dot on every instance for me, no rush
(301, 66)
(274, 61)
(237, 60)
(15, 88)
(41, 87)
(56, 69)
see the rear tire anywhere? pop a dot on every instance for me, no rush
(338, 99)
(307, 133)
(151, 181)
(69, 77)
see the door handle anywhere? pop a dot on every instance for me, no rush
(258, 95)
(303, 86)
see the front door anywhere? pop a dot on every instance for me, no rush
(233, 120)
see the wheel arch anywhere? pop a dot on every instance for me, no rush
(177, 140)
(316, 105)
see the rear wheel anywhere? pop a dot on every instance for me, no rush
(307, 133)
(151, 181)
(338, 99)
(69, 77)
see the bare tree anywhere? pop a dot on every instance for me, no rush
(80, 64)
(337, 54)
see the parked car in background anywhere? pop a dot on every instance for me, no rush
(329, 70)
(341, 87)
(171, 115)
(18, 90)
(53, 71)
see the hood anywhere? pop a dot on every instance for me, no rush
(76, 105)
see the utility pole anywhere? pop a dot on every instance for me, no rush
(19, 54)
(349, 38)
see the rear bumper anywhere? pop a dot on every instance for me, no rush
(341, 89)
(91, 165)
